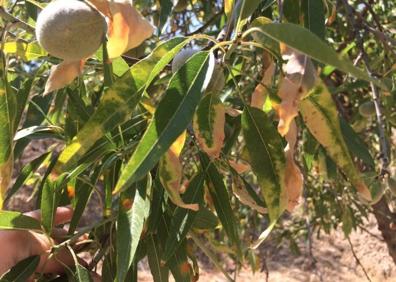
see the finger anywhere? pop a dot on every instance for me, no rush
(57, 263)
(62, 215)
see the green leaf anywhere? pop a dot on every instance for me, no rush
(244, 8)
(173, 114)
(83, 192)
(356, 145)
(118, 101)
(10, 220)
(221, 199)
(27, 51)
(81, 274)
(314, 17)
(26, 173)
(291, 11)
(182, 219)
(321, 118)
(130, 226)
(178, 263)
(205, 220)
(308, 43)
(49, 202)
(265, 149)
(159, 271)
(22, 270)
(7, 121)
(208, 124)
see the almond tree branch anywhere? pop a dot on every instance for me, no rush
(356, 28)
(15, 21)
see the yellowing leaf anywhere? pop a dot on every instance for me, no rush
(245, 198)
(294, 179)
(127, 29)
(62, 75)
(299, 79)
(260, 92)
(27, 51)
(208, 124)
(321, 117)
(170, 172)
(5, 178)
(228, 7)
(240, 166)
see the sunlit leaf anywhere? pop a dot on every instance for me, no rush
(7, 130)
(27, 51)
(321, 117)
(130, 226)
(15, 220)
(119, 101)
(173, 114)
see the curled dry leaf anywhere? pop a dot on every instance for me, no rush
(245, 198)
(240, 166)
(170, 171)
(294, 179)
(300, 77)
(63, 74)
(260, 92)
(127, 28)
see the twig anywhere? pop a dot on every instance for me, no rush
(358, 260)
(15, 21)
(210, 255)
(371, 234)
(206, 25)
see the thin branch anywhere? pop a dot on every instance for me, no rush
(206, 25)
(358, 260)
(15, 21)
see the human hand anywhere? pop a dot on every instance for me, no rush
(17, 245)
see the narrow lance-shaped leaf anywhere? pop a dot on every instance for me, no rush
(171, 174)
(130, 226)
(10, 220)
(265, 149)
(173, 114)
(321, 117)
(7, 114)
(303, 40)
(118, 102)
(221, 199)
(182, 219)
(208, 124)
(22, 271)
(159, 271)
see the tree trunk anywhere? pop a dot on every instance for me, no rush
(384, 218)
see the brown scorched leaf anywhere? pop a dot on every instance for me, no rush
(171, 174)
(260, 92)
(63, 74)
(127, 28)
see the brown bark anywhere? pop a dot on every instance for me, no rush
(385, 218)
